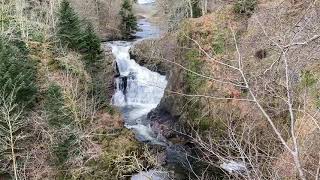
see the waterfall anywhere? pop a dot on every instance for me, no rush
(138, 91)
(136, 85)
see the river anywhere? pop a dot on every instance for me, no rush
(138, 90)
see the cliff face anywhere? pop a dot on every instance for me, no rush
(147, 53)
(228, 73)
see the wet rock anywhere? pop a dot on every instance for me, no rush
(108, 71)
(159, 152)
(147, 53)
(162, 123)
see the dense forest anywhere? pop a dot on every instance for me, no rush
(164, 89)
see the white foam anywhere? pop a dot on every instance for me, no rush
(146, 1)
(138, 91)
(143, 86)
(234, 167)
(145, 132)
(151, 175)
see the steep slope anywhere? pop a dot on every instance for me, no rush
(104, 15)
(230, 76)
(56, 121)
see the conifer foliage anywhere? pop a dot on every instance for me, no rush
(17, 72)
(69, 26)
(72, 34)
(90, 44)
(58, 115)
(17, 91)
(129, 23)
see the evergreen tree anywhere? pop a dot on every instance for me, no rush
(69, 26)
(17, 72)
(57, 115)
(129, 23)
(196, 8)
(90, 44)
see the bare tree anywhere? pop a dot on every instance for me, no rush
(270, 88)
(11, 123)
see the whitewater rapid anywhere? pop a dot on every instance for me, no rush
(138, 91)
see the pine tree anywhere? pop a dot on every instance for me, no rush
(129, 23)
(90, 44)
(69, 26)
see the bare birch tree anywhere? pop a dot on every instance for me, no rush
(11, 123)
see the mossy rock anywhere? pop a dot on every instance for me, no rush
(193, 81)
(125, 142)
(121, 154)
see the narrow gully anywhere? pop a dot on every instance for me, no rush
(138, 90)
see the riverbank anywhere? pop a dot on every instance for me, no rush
(226, 72)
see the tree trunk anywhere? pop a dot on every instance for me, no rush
(2, 16)
(204, 7)
(190, 8)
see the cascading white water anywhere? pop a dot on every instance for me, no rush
(137, 85)
(138, 91)
(145, 1)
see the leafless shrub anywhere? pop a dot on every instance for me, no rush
(280, 110)
(11, 123)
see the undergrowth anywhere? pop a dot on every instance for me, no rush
(193, 81)
(245, 7)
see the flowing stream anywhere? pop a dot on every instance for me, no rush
(138, 90)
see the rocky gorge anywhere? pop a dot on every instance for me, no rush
(217, 66)
(159, 89)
